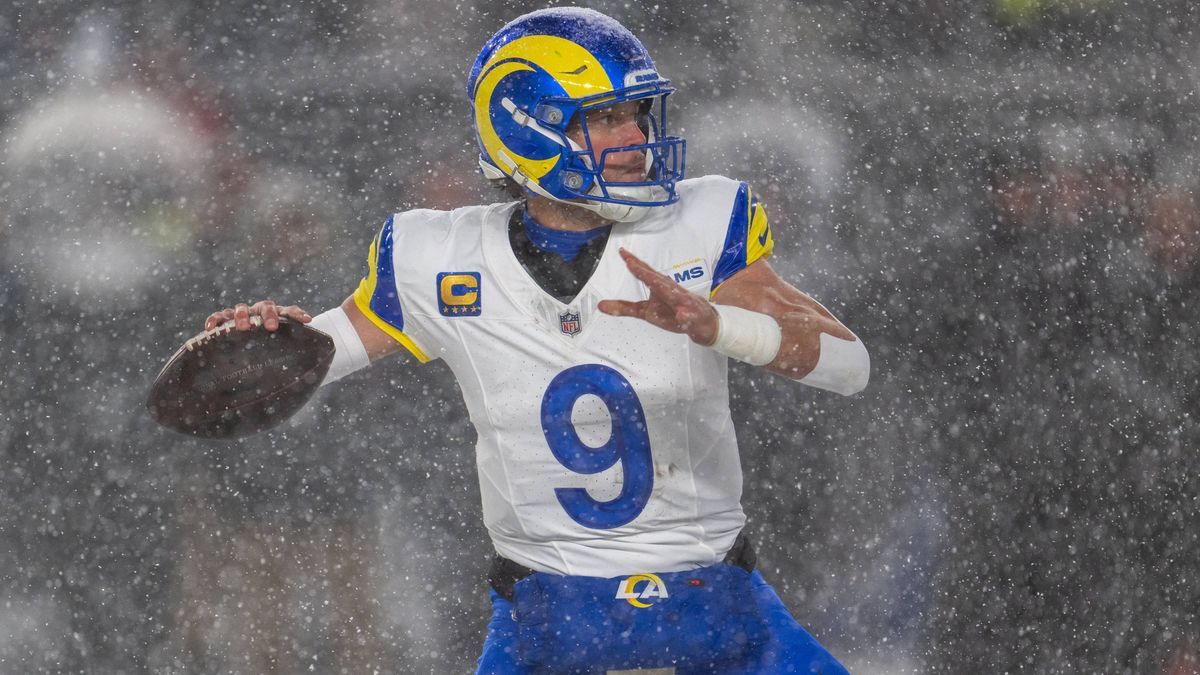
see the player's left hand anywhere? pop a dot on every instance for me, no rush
(669, 307)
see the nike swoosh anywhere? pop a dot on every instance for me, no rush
(577, 71)
(762, 238)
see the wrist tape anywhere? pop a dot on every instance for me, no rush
(350, 354)
(747, 336)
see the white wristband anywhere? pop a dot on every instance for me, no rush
(747, 336)
(350, 354)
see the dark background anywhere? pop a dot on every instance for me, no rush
(999, 196)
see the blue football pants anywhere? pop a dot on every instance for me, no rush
(789, 648)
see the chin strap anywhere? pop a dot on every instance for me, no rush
(626, 213)
(617, 213)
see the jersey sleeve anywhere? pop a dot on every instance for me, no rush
(378, 295)
(747, 238)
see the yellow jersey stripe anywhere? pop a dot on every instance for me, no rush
(362, 300)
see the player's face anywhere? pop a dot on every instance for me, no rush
(615, 126)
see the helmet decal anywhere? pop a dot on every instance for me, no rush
(569, 65)
(575, 68)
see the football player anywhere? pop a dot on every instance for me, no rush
(589, 323)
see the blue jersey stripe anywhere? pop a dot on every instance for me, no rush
(377, 297)
(733, 255)
(384, 300)
(748, 238)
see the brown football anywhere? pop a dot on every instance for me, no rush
(226, 383)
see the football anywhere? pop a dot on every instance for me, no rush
(226, 383)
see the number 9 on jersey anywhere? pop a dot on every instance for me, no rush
(629, 444)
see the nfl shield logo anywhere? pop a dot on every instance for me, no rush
(569, 322)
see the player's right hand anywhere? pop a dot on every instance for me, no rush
(269, 311)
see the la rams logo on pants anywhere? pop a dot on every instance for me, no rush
(654, 588)
(459, 294)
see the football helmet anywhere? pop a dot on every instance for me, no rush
(541, 74)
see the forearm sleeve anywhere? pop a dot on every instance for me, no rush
(844, 367)
(350, 353)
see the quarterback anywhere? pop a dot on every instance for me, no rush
(589, 323)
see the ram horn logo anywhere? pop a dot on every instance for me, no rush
(534, 53)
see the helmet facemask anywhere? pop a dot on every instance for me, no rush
(626, 201)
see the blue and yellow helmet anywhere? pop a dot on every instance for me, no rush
(542, 72)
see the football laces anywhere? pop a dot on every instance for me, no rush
(223, 329)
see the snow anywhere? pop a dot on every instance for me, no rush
(1001, 202)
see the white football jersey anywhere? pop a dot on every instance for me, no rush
(605, 445)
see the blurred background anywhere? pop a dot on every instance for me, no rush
(999, 196)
